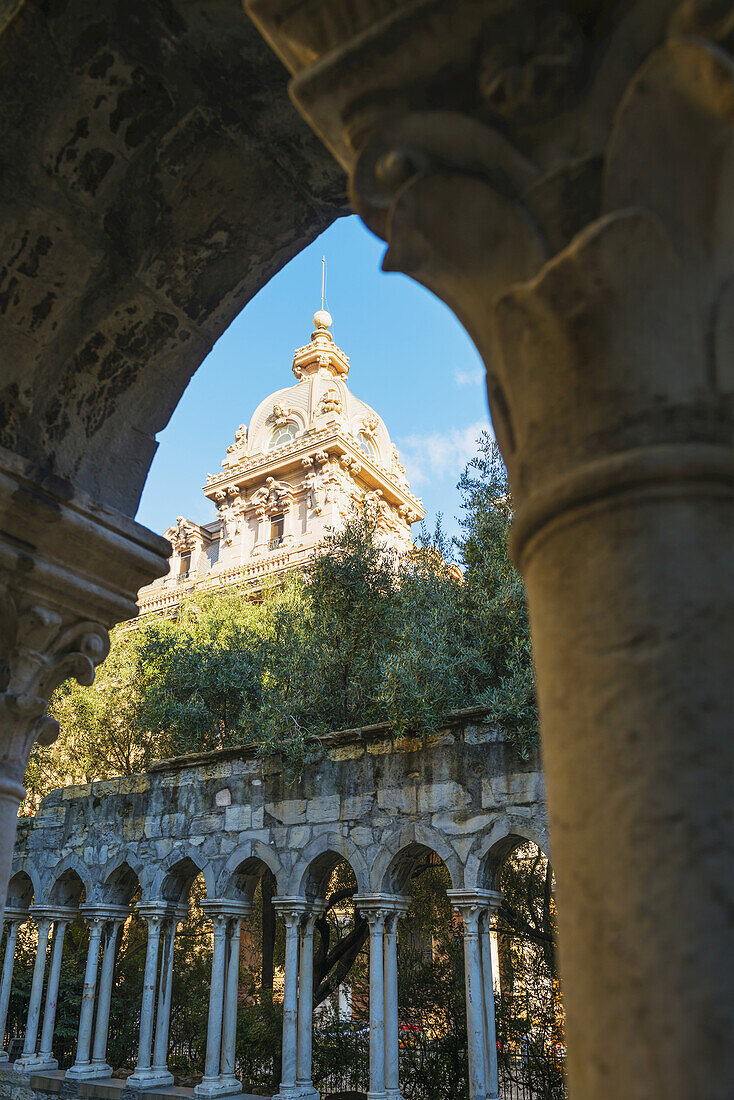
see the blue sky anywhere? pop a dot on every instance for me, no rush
(409, 358)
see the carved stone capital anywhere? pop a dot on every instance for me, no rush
(540, 207)
(69, 569)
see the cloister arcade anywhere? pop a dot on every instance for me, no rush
(382, 830)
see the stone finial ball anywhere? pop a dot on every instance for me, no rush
(321, 319)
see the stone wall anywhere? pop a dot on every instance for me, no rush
(373, 798)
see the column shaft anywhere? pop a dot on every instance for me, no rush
(474, 1008)
(229, 1025)
(52, 991)
(305, 1006)
(377, 1007)
(490, 1031)
(392, 1037)
(34, 1006)
(165, 986)
(99, 1050)
(290, 1003)
(148, 1002)
(86, 1014)
(216, 1001)
(7, 982)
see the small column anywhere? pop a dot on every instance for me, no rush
(211, 1082)
(28, 1056)
(99, 1066)
(490, 1030)
(304, 1082)
(471, 904)
(82, 1065)
(46, 1060)
(291, 909)
(153, 913)
(376, 920)
(13, 917)
(229, 1024)
(392, 1034)
(160, 1070)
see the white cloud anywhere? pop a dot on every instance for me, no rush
(472, 376)
(440, 455)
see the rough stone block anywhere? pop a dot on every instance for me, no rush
(378, 748)
(237, 818)
(223, 797)
(258, 818)
(299, 836)
(442, 796)
(346, 752)
(289, 812)
(356, 806)
(399, 800)
(512, 788)
(323, 809)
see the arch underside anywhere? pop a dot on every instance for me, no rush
(154, 177)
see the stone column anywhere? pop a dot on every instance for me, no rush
(490, 1030)
(82, 1067)
(471, 906)
(535, 199)
(160, 1071)
(14, 918)
(229, 1021)
(28, 1056)
(46, 1060)
(99, 1066)
(211, 1081)
(392, 1033)
(382, 912)
(304, 1082)
(292, 910)
(153, 914)
(376, 920)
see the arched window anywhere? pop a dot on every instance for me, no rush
(367, 444)
(283, 435)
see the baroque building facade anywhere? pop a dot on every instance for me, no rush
(312, 454)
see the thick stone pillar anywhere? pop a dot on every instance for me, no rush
(518, 160)
(219, 1079)
(82, 1067)
(116, 918)
(28, 1057)
(153, 913)
(69, 569)
(13, 918)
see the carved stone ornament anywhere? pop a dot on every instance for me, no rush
(280, 415)
(240, 440)
(330, 402)
(560, 175)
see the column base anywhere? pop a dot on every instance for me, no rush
(299, 1092)
(396, 1094)
(88, 1071)
(376, 1096)
(35, 1063)
(218, 1086)
(149, 1078)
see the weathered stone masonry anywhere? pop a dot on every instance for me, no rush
(377, 800)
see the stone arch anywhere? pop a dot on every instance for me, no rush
(23, 888)
(319, 858)
(65, 883)
(393, 868)
(119, 880)
(241, 873)
(173, 878)
(485, 862)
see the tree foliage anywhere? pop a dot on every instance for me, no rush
(364, 636)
